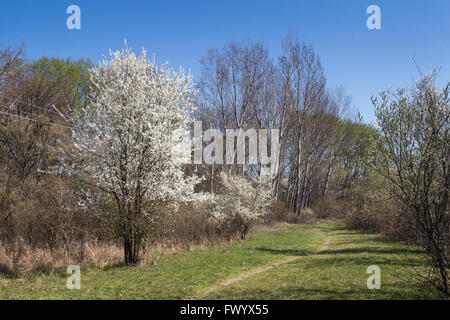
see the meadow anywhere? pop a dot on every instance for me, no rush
(322, 261)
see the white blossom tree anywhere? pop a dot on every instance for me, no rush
(121, 146)
(243, 202)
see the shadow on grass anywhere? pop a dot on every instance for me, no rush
(371, 250)
(6, 272)
(411, 291)
(356, 256)
(292, 252)
(365, 261)
(359, 250)
(121, 265)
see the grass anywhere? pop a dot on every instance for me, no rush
(336, 273)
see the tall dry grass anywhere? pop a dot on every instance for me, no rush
(78, 238)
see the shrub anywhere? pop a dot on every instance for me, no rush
(243, 202)
(412, 155)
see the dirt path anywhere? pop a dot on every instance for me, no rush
(256, 271)
(326, 245)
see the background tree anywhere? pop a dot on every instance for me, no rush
(235, 92)
(33, 115)
(309, 114)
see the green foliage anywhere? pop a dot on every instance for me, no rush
(68, 79)
(356, 142)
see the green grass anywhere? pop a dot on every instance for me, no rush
(337, 273)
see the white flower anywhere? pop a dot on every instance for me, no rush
(244, 201)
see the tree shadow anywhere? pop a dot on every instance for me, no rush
(356, 256)
(366, 261)
(374, 250)
(290, 293)
(292, 252)
(7, 272)
(118, 265)
(358, 250)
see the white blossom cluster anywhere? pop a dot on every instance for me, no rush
(244, 201)
(122, 144)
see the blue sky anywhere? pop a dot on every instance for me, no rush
(363, 61)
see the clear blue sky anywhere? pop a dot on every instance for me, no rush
(363, 61)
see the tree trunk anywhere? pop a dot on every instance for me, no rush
(327, 177)
(212, 178)
(131, 250)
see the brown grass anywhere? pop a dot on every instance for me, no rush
(21, 258)
(191, 231)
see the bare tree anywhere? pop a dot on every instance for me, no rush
(311, 115)
(236, 92)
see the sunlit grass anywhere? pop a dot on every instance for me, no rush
(176, 276)
(337, 273)
(340, 272)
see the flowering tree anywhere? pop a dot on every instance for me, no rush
(242, 202)
(413, 155)
(122, 144)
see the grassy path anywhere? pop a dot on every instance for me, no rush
(339, 272)
(256, 271)
(290, 262)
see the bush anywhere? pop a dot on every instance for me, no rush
(243, 203)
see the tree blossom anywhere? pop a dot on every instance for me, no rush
(244, 202)
(121, 145)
